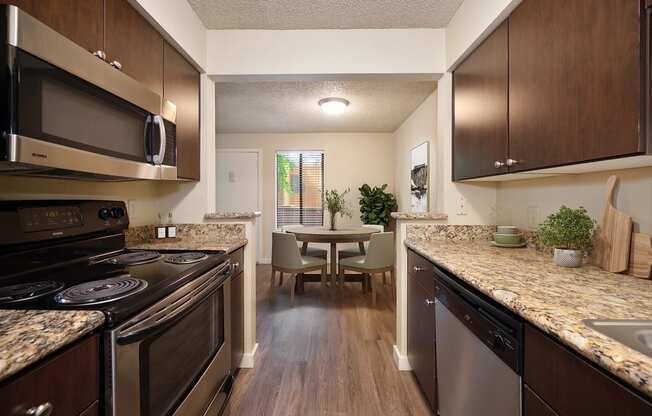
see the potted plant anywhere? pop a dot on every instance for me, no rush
(570, 232)
(376, 205)
(335, 203)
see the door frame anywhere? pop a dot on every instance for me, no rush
(260, 203)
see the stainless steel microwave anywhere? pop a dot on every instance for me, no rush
(64, 112)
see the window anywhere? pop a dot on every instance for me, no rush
(299, 188)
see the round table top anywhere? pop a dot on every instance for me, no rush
(323, 234)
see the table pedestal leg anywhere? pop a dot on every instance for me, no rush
(333, 264)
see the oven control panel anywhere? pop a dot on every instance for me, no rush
(49, 218)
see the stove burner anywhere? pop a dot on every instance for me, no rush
(28, 291)
(186, 258)
(136, 258)
(101, 291)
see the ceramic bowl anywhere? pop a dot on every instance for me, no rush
(508, 238)
(507, 229)
(568, 258)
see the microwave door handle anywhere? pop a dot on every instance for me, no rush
(147, 139)
(158, 159)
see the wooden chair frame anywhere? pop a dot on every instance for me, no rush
(294, 273)
(370, 272)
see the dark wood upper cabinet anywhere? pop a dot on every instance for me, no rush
(81, 21)
(181, 86)
(421, 325)
(135, 44)
(574, 81)
(480, 109)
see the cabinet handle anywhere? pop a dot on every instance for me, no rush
(498, 164)
(511, 162)
(100, 54)
(419, 269)
(429, 302)
(236, 265)
(44, 409)
(116, 65)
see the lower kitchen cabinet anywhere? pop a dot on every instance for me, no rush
(533, 405)
(237, 310)
(68, 382)
(421, 325)
(571, 386)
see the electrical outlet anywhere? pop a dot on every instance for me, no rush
(461, 206)
(533, 215)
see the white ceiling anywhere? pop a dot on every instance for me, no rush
(291, 107)
(324, 14)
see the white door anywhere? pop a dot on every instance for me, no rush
(238, 187)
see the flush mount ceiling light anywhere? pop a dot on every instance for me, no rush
(333, 105)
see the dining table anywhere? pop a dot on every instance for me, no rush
(307, 234)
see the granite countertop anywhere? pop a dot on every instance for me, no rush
(232, 215)
(419, 216)
(189, 244)
(555, 299)
(26, 336)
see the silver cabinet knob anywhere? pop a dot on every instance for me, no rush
(511, 162)
(498, 164)
(236, 265)
(116, 65)
(429, 302)
(100, 54)
(44, 409)
(419, 269)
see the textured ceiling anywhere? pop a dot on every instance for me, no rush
(324, 14)
(291, 107)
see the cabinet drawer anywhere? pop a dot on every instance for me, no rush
(422, 270)
(237, 260)
(69, 382)
(533, 405)
(572, 386)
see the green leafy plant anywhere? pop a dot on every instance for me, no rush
(568, 228)
(376, 204)
(335, 203)
(284, 166)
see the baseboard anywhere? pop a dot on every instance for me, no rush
(248, 358)
(266, 260)
(401, 360)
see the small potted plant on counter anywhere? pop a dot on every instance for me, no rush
(570, 232)
(335, 203)
(376, 204)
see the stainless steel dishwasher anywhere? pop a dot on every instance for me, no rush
(479, 353)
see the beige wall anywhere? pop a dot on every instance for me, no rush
(142, 196)
(527, 203)
(350, 160)
(419, 127)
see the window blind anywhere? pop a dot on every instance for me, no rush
(299, 188)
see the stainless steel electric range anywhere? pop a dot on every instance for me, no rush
(167, 333)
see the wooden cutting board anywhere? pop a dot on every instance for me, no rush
(640, 256)
(614, 237)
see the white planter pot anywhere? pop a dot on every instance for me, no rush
(568, 258)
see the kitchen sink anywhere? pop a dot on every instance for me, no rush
(633, 333)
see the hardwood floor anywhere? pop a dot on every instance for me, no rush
(330, 354)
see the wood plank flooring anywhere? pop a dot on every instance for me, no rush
(330, 354)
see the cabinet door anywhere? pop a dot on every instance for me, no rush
(81, 21)
(533, 405)
(69, 381)
(574, 81)
(182, 88)
(480, 135)
(237, 321)
(421, 339)
(135, 44)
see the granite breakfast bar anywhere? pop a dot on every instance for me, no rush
(554, 299)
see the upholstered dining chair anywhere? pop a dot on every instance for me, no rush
(353, 250)
(379, 259)
(286, 258)
(310, 251)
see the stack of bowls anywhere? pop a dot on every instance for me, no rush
(508, 236)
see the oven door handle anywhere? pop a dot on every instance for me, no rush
(173, 312)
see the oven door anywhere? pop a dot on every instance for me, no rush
(174, 357)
